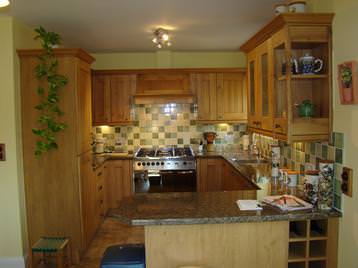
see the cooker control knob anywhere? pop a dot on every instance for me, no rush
(176, 163)
(184, 163)
(139, 164)
(162, 163)
(148, 163)
(153, 163)
(143, 164)
(158, 163)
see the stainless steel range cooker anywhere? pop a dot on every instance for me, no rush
(167, 169)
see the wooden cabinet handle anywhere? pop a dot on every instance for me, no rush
(100, 188)
(277, 126)
(101, 202)
(99, 174)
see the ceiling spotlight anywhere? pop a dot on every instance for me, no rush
(161, 38)
(4, 3)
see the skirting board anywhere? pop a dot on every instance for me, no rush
(15, 262)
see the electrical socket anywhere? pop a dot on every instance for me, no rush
(347, 181)
(2, 152)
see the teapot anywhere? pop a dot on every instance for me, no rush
(310, 65)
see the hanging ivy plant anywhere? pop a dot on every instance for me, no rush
(50, 83)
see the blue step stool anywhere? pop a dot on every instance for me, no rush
(124, 256)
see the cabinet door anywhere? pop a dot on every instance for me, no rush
(252, 89)
(84, 108)
(209, 174)
(205, 89)
(265, 81)
(118, 182)
(231, 97)
(122, 88)
(88, 197)
(100, 98)
(280, 90)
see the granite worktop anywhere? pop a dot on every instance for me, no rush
(100, 159)
(201, 208)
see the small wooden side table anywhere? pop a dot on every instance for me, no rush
(57, 248)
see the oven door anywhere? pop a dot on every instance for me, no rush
(165, 181)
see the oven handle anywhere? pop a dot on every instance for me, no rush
(164, 172)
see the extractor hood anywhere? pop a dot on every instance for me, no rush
(162, 88)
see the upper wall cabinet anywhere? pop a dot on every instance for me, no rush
(289, 78)
(220, 97)
(112, 98)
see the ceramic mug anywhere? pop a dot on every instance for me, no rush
(310, 65)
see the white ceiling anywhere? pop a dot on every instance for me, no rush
(127, 25)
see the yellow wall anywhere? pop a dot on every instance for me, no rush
(168, 59)
(13, 35)
(345, 40)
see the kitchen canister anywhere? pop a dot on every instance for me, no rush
(311, 186)
(281, 8)
(276, 155)
(297, 6)
(325, 185)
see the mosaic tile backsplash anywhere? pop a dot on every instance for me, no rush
(306, 156)
(170, 124)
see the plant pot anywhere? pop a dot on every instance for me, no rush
(347, 95)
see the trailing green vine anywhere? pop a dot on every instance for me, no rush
(50, 83)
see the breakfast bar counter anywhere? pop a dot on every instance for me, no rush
(209, 230)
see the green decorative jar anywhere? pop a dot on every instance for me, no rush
(306, 109)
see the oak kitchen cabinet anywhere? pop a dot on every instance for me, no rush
(112, 98)
(220, 97)
(118, 181)
(276, 90)
(54, 183)
(216, 174)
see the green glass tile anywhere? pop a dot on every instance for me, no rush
(186, 116)
(339, 156)
(186, 129)
(312, 148)
(155, 117)
(155, 135)
(180, 129)
(297, 156)
(302, 169)
(331, 153)
(167, 135)
(124, 135)
(98, 130)
(117, 130)
(161, 142)
(324, 151)
(130, 142)
(167, 123)
(173, 135)
(289, 153)
(192, 123)
(136, 135)
(161, 129)
(337, 187)
(136, 123)
(307, 158)
(193, 141)
(147, 110)
(129, 129)
(338, 140)
(337, 202)
(180, 141)
(173, 117)
(199, 128)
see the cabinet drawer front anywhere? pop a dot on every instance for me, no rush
(309, 33)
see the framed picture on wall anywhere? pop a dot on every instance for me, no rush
(347, 82)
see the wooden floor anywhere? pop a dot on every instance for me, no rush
(112, 232)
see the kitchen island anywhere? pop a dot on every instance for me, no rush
(208, 229)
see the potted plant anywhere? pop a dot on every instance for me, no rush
(346, 80)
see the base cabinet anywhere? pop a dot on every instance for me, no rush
(118, 182)
(216, 174)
